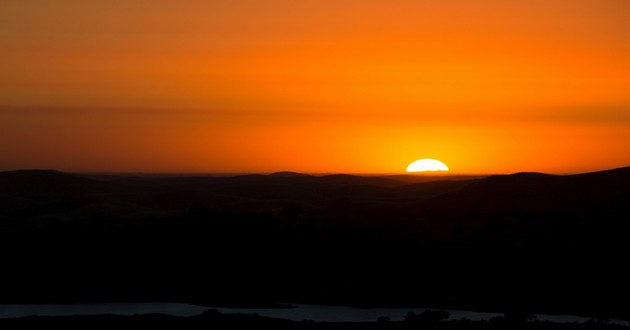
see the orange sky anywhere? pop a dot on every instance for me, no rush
(359, 86)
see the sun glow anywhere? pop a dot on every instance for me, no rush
(207, 86)
(424, 165)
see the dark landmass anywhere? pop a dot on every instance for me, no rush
(214, 320)
(526, 242)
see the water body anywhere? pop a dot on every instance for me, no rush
(321, 313)
(298, 312)
(22, 310)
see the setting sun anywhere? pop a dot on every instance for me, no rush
(314, 86)
(425, 165)
(312, 138)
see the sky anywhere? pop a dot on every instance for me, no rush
(322, 86)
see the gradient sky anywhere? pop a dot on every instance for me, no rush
(358, 86)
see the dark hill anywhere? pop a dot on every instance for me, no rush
(355, 180)
(537, 191)
(420, 191)
(44, 192)
(288, 174)
(525, 242)
(414, 178)
(47, 186)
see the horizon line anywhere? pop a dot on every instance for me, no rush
(238, 173)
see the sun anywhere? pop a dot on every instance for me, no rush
(427, 164)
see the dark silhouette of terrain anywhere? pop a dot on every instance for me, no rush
(521, 243)
(214, 320)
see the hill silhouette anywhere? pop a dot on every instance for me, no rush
(529, 192)
(48, 184)
(288, 174)
(529, 242)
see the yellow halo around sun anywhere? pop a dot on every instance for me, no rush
(427, 164)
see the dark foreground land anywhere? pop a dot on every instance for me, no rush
(526, 242)
(214, 320)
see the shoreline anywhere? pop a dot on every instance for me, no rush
(236, 321)
(287, 311)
